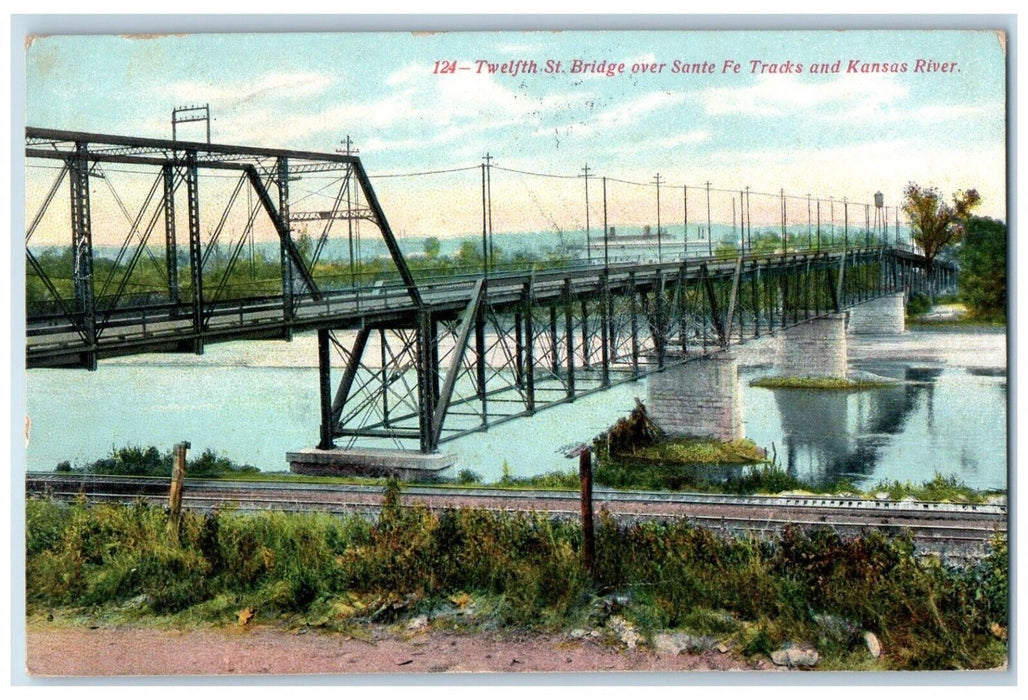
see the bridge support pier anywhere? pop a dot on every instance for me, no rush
(701, 398)
(816, 349)
(882, 316)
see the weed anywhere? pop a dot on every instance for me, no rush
(485, 569)
(819, 383)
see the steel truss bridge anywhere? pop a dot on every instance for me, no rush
(422, 361)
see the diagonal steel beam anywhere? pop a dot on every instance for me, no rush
(282, 228)
(735, 293)
(387, 234)
(346, 384)
(46, 203)
(468, 323)
(715, 312)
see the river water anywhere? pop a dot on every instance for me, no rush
(253, 402)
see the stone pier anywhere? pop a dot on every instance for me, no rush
(814, 349)
(883, 316)
(701, 398)
(368, 462)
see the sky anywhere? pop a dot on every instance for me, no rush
(757, 115)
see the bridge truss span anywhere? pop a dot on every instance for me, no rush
(509, 346)
(139, 245)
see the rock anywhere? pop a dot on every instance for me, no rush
(795, 657)
(668, 643)
(996, 500)
(624, 630)
(882, 496)
(677, 642)
(417, 623)
(874, 647)
(722, 648)
(577, 633)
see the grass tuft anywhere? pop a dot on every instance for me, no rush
(474, 569)
(819, 383)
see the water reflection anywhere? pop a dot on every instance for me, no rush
(832, 435)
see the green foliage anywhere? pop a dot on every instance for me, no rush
(818, 383)
(525, 570)
(726, 249)
(549, 480)
(939, 489)
(468, 476)
(918, 305)
(983, 268)
(149, 461)
(261, 276)
(937, 223)
(432, 247)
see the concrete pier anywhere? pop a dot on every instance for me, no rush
(368, 462)
(816, 348)
(701, 398)
(883, 316)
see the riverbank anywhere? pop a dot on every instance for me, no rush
(651, 585)
(54, 650)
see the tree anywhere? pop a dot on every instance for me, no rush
(983, 267)
(936, 223)
(432, 247)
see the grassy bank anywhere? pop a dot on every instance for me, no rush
(471, 569)
(819, 383)
(704, 466)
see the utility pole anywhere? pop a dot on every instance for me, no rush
(349, 150)
(819, 225)
(485, 230)
(810, 238)
(489, 194)
(785, 233)
(749, 227)
(831, 216)
(659, 255)
(588, 241)
(845, 223)
(606, 259)
(710, 242)
(685, 222)
(184, 115)
(742, 223)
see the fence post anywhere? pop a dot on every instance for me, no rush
(178, 475)
(585, 473)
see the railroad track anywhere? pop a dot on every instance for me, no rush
(950, 529)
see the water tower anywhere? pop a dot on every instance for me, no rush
(880, 221)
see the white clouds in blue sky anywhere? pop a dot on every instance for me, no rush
(828, 134)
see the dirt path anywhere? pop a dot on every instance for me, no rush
(124, 651)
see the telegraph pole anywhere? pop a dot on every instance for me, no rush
(710, 243)
(810, 229)
(685, 222)
(349, 150)
(489, 194)
(588, 241)
(659, 256)
(606, 259)
(749, 227)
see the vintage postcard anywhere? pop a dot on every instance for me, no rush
(492, 352)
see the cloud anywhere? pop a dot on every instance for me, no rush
(781, 95)
(292, 85)
(407, 74)
(694, 136)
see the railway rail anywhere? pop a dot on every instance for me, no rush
(953, 530)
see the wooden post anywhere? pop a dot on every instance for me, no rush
(585, 472)
(178, 475)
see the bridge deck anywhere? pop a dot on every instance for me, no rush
(54, 340)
